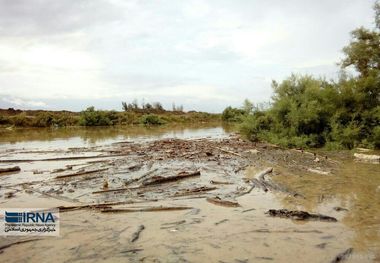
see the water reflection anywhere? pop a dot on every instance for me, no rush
(90, 136)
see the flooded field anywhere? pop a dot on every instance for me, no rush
(187, 194)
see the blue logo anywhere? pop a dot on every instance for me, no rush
(28, 217)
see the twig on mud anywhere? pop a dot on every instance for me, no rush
(100, 205)
(141, 177)
(226, 151)
(136, 234)
(219, 182)
(220, 202)
(343, 256)
(80, 173)
(194, 191)
(60, 158)
(134, 250)
(17, 243)
(148, 209)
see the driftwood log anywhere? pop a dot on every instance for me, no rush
(10, 169)
(218, 201)
(148, 209)
(161, 179)
(81, 173)
(300, 215)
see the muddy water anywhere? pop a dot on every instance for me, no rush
(355, 187)
(42, 138)
(206, 233)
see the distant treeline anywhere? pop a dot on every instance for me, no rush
(147, 114)
(312, 112)
(148, 107)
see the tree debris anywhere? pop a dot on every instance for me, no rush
(81, 173)
(300, 215)
(161, 179)
(10, 169)
(219, 182)
(134, 250)
(59, 158)
(17, 243)
(136, 234)
(194, 191)
(343, 256)
(148, 209)
(218, 201)
(141, 177)
(230, 152)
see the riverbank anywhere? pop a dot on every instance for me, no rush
(197, 197)
(91, 117)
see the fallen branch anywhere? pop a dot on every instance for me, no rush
(81, 173)
(219, 182)
(136, 235)
(102, 205)
(141, 177)
(173, 224)
(17, 243)
(343, 256)
(149, 209)
(194, 191)
(161, 179)
(59, 158)
(226, 151)
(220, 202)
(260, 175)
(300, 215)
(10, 169)
(317, 171)
(91, 206)
(134, 250)
(261, 182)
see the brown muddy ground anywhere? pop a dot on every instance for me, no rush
(199, 200)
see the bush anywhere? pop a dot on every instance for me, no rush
(21, 120)
(151, 119)
(310, 112)
(4, 120)
(44, 119)
(92, 117)
(233, 114)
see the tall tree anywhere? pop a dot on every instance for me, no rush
(363, 52)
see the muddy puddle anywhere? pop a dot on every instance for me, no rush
(188, 194)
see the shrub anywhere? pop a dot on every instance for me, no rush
(92, 117)
(151, 119)
(233, 114)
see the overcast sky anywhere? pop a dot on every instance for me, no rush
(70, 54)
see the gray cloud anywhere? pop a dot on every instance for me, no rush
(45, 17)
(203, 54)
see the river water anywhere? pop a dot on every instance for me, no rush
(355, 188)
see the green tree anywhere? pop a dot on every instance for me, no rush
(363, 52)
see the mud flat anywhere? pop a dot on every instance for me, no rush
(184, 200)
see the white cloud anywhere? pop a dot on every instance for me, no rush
(205, 53)
(24, 103)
